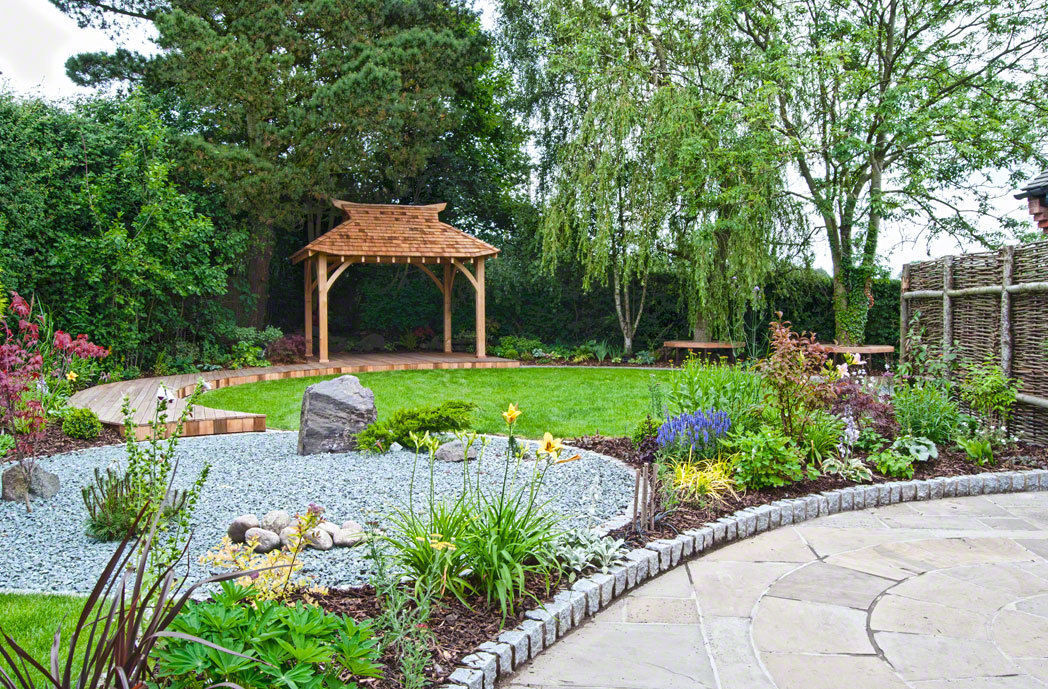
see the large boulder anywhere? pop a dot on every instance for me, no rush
(455, 451)
(43, 484)
(266, 539)
(239, 527)
(333, 412)
(275, 521)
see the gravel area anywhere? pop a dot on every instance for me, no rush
(47, 549)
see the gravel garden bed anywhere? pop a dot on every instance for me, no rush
(48, 551)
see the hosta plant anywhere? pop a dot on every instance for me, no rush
(921, 449)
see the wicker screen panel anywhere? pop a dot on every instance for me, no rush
(927, 275)
(1031, 263)
(997, 305)
(977, 327)
(1030, 337)
(976, 270)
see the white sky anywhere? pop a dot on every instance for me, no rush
(36, 39)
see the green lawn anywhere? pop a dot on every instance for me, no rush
(31, 620)
(567, 402)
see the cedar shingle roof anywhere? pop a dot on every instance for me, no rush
(391, 230)
(1038, 186)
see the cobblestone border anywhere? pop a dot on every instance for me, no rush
(543, 626)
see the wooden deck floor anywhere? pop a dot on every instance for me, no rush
(106, 400)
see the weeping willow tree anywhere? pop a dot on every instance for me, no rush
(651, 168)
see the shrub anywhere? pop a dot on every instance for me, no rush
(453, 415)
(704, 482)
(510, 346)
(871, 412)
(290, 349)
(648, 428)
(795, 372)
(643, 357)
(7, 443)
(925, 409)
(735, 389)
(298, 646)
(989, 392)
(244, 355)
(82, 423)
(693, 436)
(891, 463)
(765, 458)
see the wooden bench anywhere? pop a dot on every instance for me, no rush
(863, 350)
(694, 345)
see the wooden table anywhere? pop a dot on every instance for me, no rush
(869, 350)
(707, 347)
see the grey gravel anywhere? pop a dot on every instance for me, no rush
(254, 473)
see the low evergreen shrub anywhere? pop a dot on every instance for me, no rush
(453, 415)
(82, 424)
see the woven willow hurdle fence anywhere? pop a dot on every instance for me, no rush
(992, 303)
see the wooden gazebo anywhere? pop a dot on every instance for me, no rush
(389, 233)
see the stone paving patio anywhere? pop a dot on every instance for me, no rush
(928, 595)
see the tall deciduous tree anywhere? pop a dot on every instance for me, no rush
(643, 168)
(893, 111)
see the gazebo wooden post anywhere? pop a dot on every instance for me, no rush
(322, 305)
(449, 281)
(482, 337)
(308, 264)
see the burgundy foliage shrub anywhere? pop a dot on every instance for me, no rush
(290, 349)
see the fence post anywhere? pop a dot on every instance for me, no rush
(1006, 309)
(904, 318)
(947, 303)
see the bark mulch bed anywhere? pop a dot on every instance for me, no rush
(54, 441)
(951, 462)
(456, 629)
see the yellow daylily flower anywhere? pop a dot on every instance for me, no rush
(550, 445)
(71, 376)
(511, 414)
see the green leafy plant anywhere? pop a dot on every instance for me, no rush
(647, 428)
(822, 436)
(580, 551)
(920, 449)
(453, 415)
(870, 440)
(601, 351)
(891, 463)
(244, 355)
(146, 483)
(735, 389)
(643, 357)
(926, 409)
(294, 647)
(978, 448)
(848, 467)
(765, 458)
(989, 392)
(82, 423)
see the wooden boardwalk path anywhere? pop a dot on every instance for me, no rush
(106, 400)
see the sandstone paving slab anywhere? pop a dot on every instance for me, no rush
(1006, 577)
(937, 553)
(1021, 635)
(1038, 605)
(674, 583)
(732, 588)
(659, 657)
(900, 614)
(1036, 667)
(820, 582)
(780, 545)
(1006, 682)
(923, 656)
(1010, 501)
(939, 522)
(1010, 524)
(938, 587)
(979, 505)
(878, 560)
(785, 626)
(849, 520)
(734, 657)
(656, 610)
(804, 671)
(1037, 546)
(831, 541)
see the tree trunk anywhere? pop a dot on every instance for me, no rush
(851, 304)
(628, 320)
(260, 254)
